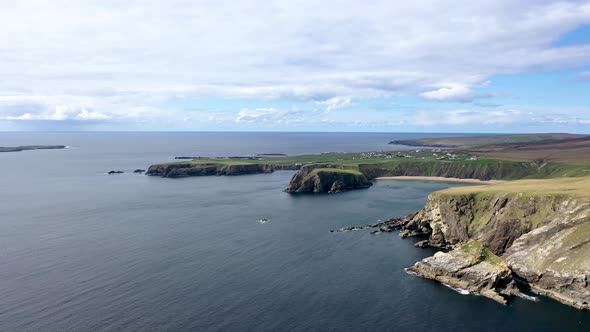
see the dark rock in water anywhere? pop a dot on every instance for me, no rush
(139, 171)
(387, 226)
(422, 244)
(115, 172)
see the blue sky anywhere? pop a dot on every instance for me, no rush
(251, 65)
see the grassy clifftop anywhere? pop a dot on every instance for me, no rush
(578, 187)
(405, 163)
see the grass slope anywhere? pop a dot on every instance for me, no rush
(579, 187)
(472, 141)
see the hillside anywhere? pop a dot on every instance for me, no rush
(472, 141)
(570, 150)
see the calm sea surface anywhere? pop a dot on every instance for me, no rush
(85, 251)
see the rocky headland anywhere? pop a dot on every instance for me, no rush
(178, 170)
(523, 235)
(327, 178)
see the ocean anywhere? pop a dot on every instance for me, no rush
(84, 251)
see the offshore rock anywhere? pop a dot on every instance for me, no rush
(322, 178)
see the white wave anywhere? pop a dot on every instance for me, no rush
(528, 297)
(410, 272)
(458, 290)
(263, 221)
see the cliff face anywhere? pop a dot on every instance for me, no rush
(543, 240)
(177, 170)
(324, 179)
(499, 170)
(496, 219)
(554, 259)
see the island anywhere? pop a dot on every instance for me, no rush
(31, 147)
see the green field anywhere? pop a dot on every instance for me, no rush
(578, 187)
(472, 141)
(420, 162)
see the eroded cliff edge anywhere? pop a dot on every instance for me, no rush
(530, 234)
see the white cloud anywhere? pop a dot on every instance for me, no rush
(105, 60)
(466, 117)
(259, 115)
(454, 93)
(335, 103)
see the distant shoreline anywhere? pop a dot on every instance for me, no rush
(31, 147)
(438, 178)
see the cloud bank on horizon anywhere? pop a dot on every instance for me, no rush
(462, 66)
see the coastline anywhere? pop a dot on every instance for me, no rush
(439, 178)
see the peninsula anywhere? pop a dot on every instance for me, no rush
(536, 156)
(31, 147)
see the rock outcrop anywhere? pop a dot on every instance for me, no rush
(540, 241)
(322, 178)
(471, 267)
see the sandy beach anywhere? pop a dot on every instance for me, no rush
(439, 178)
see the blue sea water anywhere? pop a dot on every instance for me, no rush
(84, 251)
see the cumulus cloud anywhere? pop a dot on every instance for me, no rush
(123, 60)
(263, 115)
(454, 93)
(465, 117)
(335, 103)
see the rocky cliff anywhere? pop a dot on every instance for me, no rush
(539, 239)
(323, 178)
(177, 170)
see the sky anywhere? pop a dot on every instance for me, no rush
(260, 65)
